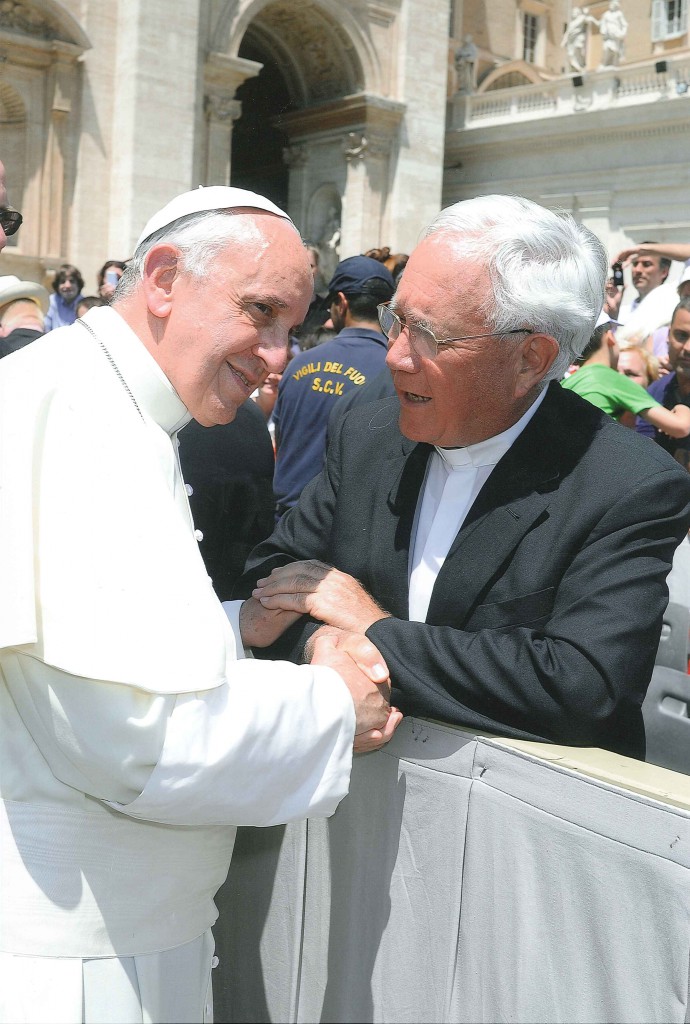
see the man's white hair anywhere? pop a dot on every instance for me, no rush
(548, 272)
(200, 237)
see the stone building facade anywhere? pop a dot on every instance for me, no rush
(351, 113)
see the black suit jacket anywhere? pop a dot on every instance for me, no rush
(545, 618)
(229, 469)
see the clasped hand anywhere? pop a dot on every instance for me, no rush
(314, 588)
(339, 601)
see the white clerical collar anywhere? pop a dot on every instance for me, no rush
(152, 390)
(492, 449)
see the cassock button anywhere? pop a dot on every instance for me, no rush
(215, 962)
(198, 535)
(189, 489)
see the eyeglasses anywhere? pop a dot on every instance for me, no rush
(423, 340)
(10, 221)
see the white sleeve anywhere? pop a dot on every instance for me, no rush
(274, 743)
(232, 610)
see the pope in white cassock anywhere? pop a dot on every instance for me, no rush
(135, 733)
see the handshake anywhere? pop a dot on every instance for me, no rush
(361, 667)
(346, 611)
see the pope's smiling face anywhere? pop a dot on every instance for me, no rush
(468, 393)
(228, 330)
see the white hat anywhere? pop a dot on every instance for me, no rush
(11, 289)
(211, 197)
(604, 318)
(685, 276)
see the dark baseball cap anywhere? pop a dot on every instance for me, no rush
(361, 275)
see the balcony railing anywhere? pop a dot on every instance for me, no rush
(593, 90)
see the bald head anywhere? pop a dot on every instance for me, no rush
(21, 313)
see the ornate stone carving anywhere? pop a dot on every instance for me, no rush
(295, 156)
(613, 28)
(378, 145)
(12, 110)
(22, 17)
(355, 146)
(466, 66)
(329, 243)
(221, 108)
(575, 37)
(324, 52)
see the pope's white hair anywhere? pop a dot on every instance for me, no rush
(200, 237)
(548, 272)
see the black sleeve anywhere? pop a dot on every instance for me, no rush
(578, 677)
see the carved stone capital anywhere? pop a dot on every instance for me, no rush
(378, 145)
(295, 156)
(224, 75)
(355, 146)
(221, 108)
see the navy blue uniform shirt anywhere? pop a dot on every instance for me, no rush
(311, 386)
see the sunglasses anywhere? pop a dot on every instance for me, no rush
(10, 221)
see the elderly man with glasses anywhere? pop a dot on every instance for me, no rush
(503, 543)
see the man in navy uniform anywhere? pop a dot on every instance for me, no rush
(316, 379)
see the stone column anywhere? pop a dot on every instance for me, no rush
(415, 196)
(223, 76)
(221, 114)
(296, 158)
(58, 167)
(352, 146)
(368, 155)
(152, 138)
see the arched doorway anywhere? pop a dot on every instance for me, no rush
(257, 139)
(300, 100)
(309, 63)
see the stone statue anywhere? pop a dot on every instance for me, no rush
(466, 65)
(331, 232)
(613, 28)
(329, 244)
(575, 38)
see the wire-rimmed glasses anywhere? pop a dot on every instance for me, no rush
(423, 340)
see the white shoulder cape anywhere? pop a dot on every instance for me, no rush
(100, 574)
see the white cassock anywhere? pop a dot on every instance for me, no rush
(133, 739)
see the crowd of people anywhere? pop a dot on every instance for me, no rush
(457, 535)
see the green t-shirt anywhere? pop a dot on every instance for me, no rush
(609, 390)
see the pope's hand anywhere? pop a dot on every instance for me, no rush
(376, 738)
(375, 721)
(260, 626)
(316, 589)
(367, 658)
